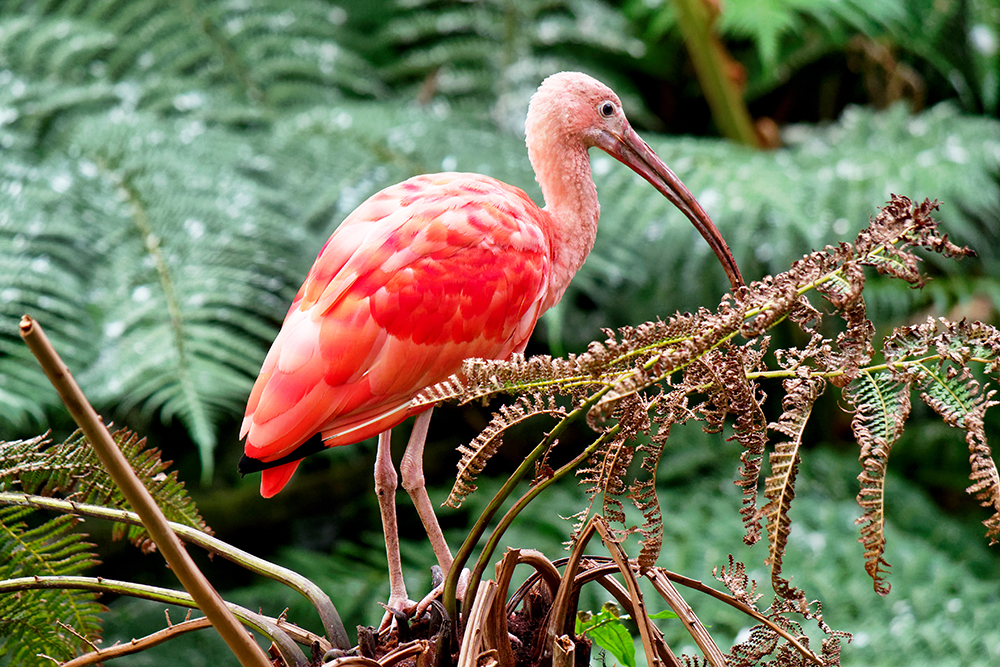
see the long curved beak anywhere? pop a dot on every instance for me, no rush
(632, 151)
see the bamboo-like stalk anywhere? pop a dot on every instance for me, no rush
(194, 581)
(641, 618)
(714, 66)
(691, 622)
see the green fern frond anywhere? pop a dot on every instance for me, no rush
(71, 469)
(497, 52)
(45, 263)
(55, 623)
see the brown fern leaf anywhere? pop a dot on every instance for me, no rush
(682, 341)
(764, 645)
(670, 408)
(745, 400)
(643, 495)
(477, 453)
(900, 219)
(881, 406)
(854, 345)
(739, 584)
(608, 466)
(72, 469)
(985, 480)
(779, 488)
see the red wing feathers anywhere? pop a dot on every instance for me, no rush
(423, 275)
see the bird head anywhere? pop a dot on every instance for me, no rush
(574, 107)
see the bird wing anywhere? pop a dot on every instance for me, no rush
(423, 275)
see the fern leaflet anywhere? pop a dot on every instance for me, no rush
(55, 623)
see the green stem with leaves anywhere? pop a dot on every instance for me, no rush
(268, 627)
(320, 600)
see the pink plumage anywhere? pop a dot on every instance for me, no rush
(428, 273)
(423, 275)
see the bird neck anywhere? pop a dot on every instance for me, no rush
(562, 169)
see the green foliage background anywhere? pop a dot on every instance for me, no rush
(169, 170)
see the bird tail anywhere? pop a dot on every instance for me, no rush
(275, 474)
(274, 479)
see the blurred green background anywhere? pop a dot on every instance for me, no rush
(168, 172)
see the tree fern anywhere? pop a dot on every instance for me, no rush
(498, 52)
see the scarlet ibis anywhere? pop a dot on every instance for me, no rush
(432, 271)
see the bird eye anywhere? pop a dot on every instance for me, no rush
(607, 109)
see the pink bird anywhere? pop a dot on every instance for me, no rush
(432, 271)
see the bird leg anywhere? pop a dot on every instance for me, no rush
(411, 470)
(385, 489)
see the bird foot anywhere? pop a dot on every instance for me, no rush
(397, 611)
(438, 579)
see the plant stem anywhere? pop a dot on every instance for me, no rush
(451, 579)
(289, 651)
(321, 601)
(714, 68)
(508, 518)
(180, 562)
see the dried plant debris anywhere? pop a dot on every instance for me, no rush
(711, 367)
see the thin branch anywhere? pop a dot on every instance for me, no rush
(281, 636)
(640, 617)
(687, 616)
(320, 600)
(136, 645)
(180, 562)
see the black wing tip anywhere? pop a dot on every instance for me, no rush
(248, 465)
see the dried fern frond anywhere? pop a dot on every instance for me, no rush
(477, 453)
(934, 357)
(744, 402)
(57, 623)
(71, 469)
(779, 488)
(764, 641)
(881, 406)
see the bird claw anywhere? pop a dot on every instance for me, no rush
(397, 612)
(438, 581)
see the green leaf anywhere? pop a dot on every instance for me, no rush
(608, 632)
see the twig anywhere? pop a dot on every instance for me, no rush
(136, 645)
(687, 616)
(640, 616)
(180, 562)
